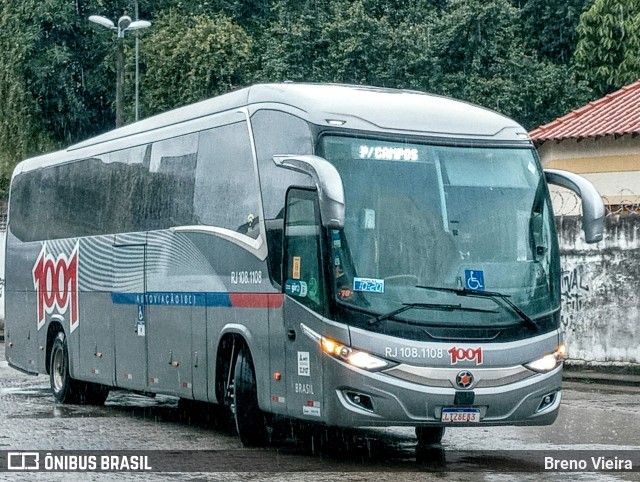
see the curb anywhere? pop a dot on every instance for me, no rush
(603, 378)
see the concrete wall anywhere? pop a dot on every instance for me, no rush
(2, 239)
(601, 292)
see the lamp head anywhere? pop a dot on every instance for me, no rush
(100, 20)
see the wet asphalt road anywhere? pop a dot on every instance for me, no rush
(592, 418)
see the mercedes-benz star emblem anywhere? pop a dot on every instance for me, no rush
(464, 379)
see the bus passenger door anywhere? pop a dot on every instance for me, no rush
(304, 304)
(129, 311)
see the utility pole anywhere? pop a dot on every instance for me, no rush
(119, 80)
(124, 24)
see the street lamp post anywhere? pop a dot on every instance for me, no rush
(124, 25)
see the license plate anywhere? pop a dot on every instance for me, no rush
(460, 415)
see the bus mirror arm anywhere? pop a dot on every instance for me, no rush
(592, 205)
(328, 183)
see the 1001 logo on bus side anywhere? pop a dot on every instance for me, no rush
(56, 283)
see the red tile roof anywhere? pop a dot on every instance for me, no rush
(615, 114)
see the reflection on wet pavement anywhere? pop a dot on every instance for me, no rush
(590, 419)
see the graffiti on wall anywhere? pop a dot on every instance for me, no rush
(575, 291)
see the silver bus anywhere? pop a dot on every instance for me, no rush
(344, 255)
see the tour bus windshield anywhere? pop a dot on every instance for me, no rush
(426, 224)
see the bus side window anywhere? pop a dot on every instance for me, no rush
(304, 278)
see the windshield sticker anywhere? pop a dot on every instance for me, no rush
(295, 268)
(345, 293)
(368, 219)
(474, 279)
(296, 288)
(312, 287)
(335, 237)
(369, 285)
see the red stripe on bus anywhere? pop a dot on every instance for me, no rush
(256, 300)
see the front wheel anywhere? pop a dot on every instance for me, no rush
(429, 435)
(64, 388)
(250, 420)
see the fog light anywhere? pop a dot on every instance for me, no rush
(547, 401)
(360, 400)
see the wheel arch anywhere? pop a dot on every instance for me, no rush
(233, 337)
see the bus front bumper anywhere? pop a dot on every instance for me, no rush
(364, 398)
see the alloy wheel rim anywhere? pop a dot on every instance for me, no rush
(58, 369)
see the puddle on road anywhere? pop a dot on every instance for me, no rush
(28, 392)
(386, 449)
(60, 411)
(116, 405)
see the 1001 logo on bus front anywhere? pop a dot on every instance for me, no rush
(465, 354)
(56, 283)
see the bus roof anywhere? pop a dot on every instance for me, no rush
(358, 107)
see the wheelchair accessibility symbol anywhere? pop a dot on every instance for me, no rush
(474, 279)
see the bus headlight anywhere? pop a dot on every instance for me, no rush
(357, 358)
(550, 361)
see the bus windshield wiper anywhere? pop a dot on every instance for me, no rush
(425, 306)
(494, 296)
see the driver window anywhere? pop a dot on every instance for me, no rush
(304, 277)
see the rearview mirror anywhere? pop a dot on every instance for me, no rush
(592, 205)
(327, 181)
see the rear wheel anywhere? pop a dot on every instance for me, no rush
(65, 389)
(429, 435)
(250, 420)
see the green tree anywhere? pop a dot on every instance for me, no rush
(252, 15)
(483, 58)
(549, 26)
(21, 131)
(292, 47)
(65, 71)
(608, 49)
(191, 58)
(359, 42)
(57, 70)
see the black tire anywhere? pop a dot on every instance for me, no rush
(429, 435)
(64, 388)
(250, 420)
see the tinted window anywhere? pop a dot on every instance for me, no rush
(201, 178)
(305, 280)
(226, 192)
(279, 133)
(154, 186)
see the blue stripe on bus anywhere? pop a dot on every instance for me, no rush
(218, 299)
(166, 298)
